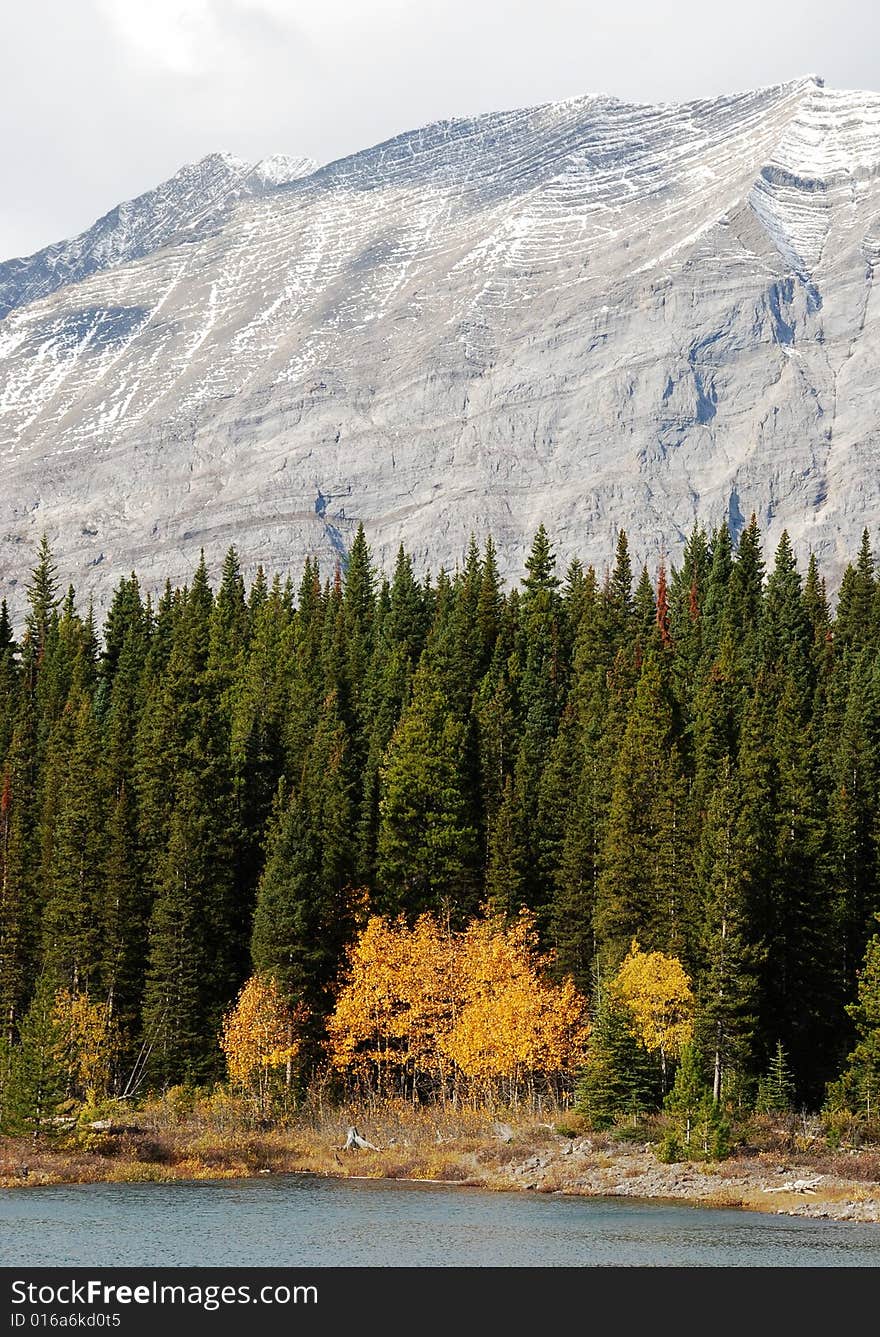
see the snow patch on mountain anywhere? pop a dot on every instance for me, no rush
(197, 198)
(589, 313)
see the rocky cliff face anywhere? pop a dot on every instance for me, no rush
(587, 313)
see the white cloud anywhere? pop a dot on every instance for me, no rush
(179, 36)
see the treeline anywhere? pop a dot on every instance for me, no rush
(229, 781)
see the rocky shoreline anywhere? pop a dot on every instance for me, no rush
(787, 1187)
(538, 1160)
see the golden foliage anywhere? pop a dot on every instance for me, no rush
(400, 995)
(513, 1022)
(86, 1043)
(657, 992)
(422, 1002)
(260, 1033)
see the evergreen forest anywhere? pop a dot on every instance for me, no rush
(224, 782)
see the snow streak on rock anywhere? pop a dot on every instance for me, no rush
(588, 313)
(195, 199)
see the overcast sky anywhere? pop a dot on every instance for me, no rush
(102, 99)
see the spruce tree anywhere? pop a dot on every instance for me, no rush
(619, 1077)
(713, 605)
(743, 603)
(727, 979)
(34, 1088)
(306, 900)
(786, 635)
(21, 901)
(854, 624)
(642, 890)
(800, 928)
(776, 1089)
(359, 611)
(618, 598)
(74, 850)
(187, 985)
(427, 845)
(229, 623)
(858, 1089)
(687, 1099)
(507, 872)
(42, 594)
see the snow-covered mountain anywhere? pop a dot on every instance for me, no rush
(588, 313)
(193, 201)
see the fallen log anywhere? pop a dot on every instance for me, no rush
(795, 1186)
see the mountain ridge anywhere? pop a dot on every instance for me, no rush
(117, 236)
(592, 313)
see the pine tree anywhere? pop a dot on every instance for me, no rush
(506, 875)
(727, 982)
(427, 845)
(786, 635)
(257, 726)
(125, 625)
(776, 1088)
(20, 905)
(306, 902)
(74, 849)
(188, 985)
(541, 690)
(858, 1089)
(35, 1085)
(800, 929)
(9, 680)
(619, 1077)
(687, 1099)
(687, 596)
(714, 603)
(855, 790)
(645, 609)
(617, 596)
(578, 591)
(642, 890)
(489, 610)
(408, 617)
(230, 622)
(359, 610)
(124, 921)
(42, 593)
(388, 693)
(743, 604)
(541, 567)
(854, 625)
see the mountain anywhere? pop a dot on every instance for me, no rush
(589, 313)
(187, 206)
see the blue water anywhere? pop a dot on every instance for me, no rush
(300, 1220)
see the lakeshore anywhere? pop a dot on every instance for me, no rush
(534, 1157)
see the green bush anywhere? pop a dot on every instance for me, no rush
(670, 1150)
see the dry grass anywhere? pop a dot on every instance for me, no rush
(217, 1137)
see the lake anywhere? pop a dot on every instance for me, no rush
(301, 1220)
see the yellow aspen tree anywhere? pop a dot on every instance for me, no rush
(422, 1006)
(260, 1036)
(657, 993)
(514, 1026)
(399, 998)
(431, 993)
(86, 1044)
(365, 1030)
